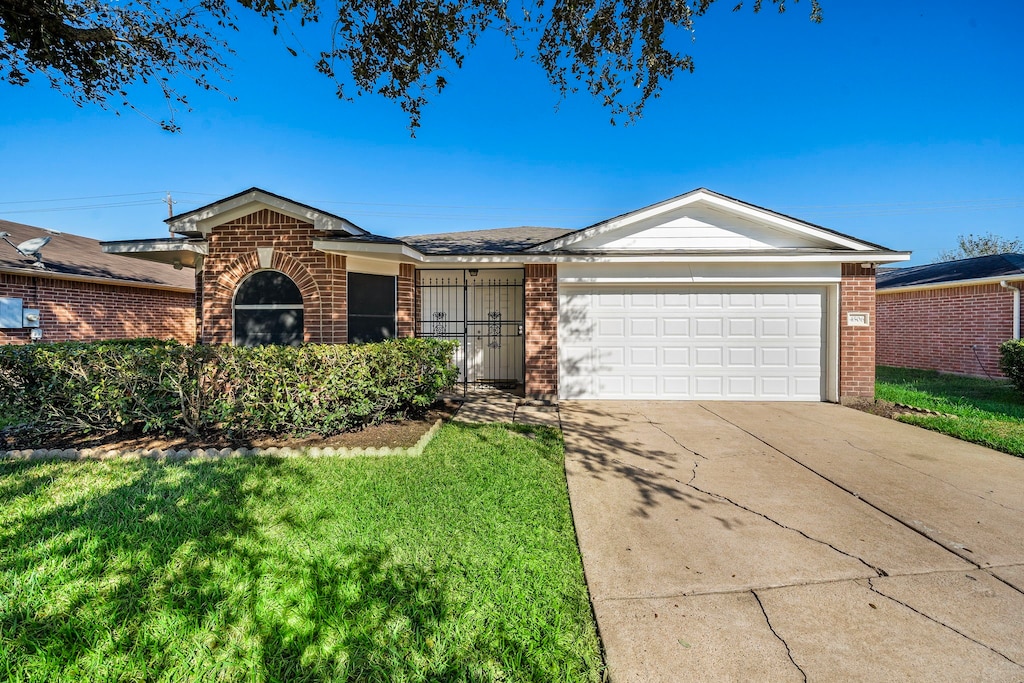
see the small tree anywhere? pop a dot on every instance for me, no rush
(971, 245)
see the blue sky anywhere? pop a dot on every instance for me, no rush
(899, 123)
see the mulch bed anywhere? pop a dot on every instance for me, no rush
(888, 408)
(402, 434)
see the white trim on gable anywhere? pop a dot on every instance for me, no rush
(712, 201)
(244, 204)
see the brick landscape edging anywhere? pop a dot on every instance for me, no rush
(216, 453)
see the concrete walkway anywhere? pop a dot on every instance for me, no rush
(790, 542)
(497, 407)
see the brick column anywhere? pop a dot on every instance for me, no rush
(198, 313)
(405, 315)
(542, 330)
(856, 344)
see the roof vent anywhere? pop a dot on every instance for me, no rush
(31, 248)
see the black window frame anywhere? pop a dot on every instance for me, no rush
(372, 307)
(281, 300)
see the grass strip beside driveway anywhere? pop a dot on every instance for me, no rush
(460, 565)
(987, 412)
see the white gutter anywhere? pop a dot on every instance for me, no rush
(1016, 307)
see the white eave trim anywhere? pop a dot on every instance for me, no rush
(700, 196)
(397, 252)
(404, 252)
(950, 285)
(690, 257)
(142, 247)
(698, 280)
(242, 205)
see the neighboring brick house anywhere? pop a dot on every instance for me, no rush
(83, 294)
(699, 297)
(950, 316)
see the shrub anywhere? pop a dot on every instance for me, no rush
(1011, 360)
(165, 387)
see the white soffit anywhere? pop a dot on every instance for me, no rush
(703, 220)
(250, 202)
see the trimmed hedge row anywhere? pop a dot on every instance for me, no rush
(148, 385)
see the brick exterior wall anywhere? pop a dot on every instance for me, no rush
(321, 278)
(935, 329)
(405, 322)
(857, 344)
(541, 330)
(91, 311)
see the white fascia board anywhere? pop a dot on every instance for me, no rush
(699, 196)
(227, 211)
(398, 252)
(697, 280)
(950, 285)
(691, 257)
(142, 247)
(33, 272)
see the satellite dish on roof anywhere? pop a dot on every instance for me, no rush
(31, 248)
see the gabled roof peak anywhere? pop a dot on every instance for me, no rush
(203, 219)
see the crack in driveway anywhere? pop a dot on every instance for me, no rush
(789, 653)
(725, 499)
(932, 619)
(931, 476)
(853, 493)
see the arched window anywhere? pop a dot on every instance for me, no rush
(268, 310)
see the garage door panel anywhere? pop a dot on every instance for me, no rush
(675, 327)
(742, 327)
(643, 356)
(774, 356)
(708, 357)
(643, 327)
(643, 300)
(611, 327)
(740, 357)
(742, 387)
(807, 357)
(675, 356)
(683, 343)
(775, 327)
(612, 386)
(775, 387)
(709, 386)
(708, 328)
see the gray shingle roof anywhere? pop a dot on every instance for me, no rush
(997, 265)
(495, 241)
(74, 255)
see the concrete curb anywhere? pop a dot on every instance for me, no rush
(217, 453)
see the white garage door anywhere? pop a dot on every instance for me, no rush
(678, 343)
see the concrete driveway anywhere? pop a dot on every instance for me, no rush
(778, 542)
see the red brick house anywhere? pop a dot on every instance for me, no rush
(698, 297)
(951, 316)
(83, 294)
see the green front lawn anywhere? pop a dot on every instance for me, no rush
(980, 410)
(460, 565)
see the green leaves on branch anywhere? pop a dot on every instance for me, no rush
(621, 51)
(167, 388)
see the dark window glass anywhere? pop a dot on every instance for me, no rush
(254, 327)
(371, 307)
(268, 287)
(268, 310)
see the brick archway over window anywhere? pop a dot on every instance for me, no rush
(217, 302)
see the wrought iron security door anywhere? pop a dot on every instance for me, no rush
(483, 309)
